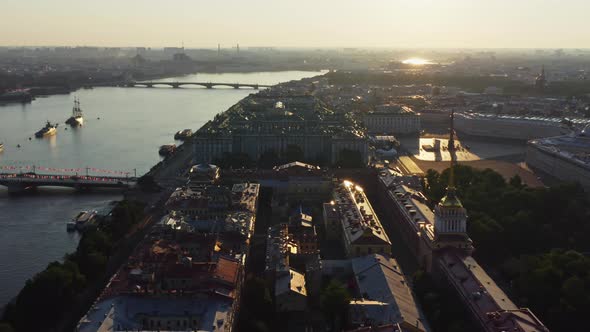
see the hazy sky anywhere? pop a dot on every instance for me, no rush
(328, 23)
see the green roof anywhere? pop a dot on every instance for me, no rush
(451, 199)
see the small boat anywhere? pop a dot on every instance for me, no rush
(84, 219)
(167, 150)
(76, 120)
(49, 130)
(1, 146)
(181, 135)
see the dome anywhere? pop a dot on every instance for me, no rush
(203, 168)
(451, 199)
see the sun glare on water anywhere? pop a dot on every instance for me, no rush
(416, 61)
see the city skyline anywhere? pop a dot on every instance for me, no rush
(374, 24)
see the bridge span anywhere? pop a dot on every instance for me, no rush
(21, 182)
(208, 85)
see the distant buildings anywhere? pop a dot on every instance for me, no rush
(351, 219)
(564, 157)
(392, 119)
(541, 81)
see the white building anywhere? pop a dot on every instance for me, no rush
(565, 157)
(508, 126)
(392, 119)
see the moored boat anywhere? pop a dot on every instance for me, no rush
(84, 219)
(181, 135)
(167, 150)
(77, 119)
(49, 130)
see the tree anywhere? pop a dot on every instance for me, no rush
(268, 159)
(147, 183)
(335, 300)
(293, 153)
(5, 327)
(256, 309)
(350, 159)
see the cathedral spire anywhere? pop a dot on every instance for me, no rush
(451, 147)
(450, 199)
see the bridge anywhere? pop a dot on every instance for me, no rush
(22, 182)
(208, 85)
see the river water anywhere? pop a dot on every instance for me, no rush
(122, 131)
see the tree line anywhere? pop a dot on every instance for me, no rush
(534, 238)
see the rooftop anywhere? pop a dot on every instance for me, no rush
(382, 283)
(393, 109)
(121, 313)
(492, 306)
(573, 148)
(292, 281)
(412, 202)
(357, 215)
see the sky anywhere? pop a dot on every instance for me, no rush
(297, 23)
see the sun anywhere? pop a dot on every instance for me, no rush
(416, 61)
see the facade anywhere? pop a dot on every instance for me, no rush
(510, 127)
(565, 157)
(392, 119)
(351, 218)
(276, 122)
(298, 182)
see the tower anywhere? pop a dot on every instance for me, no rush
(450, 217)
(218, 49)
(541, 80)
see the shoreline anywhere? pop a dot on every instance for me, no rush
(46, 91)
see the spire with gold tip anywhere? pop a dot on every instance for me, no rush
(450, 199)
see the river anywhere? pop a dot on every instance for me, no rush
(122, 131)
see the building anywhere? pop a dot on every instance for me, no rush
(298, 182)
(351, 218)
(387, 297)
(175, 280)
(541, 81)
(290, 291)
(509, 126)
(203, 174)
(439, 241)
(289, 246)
(277, 122)
(392, 119)
(565, 157)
